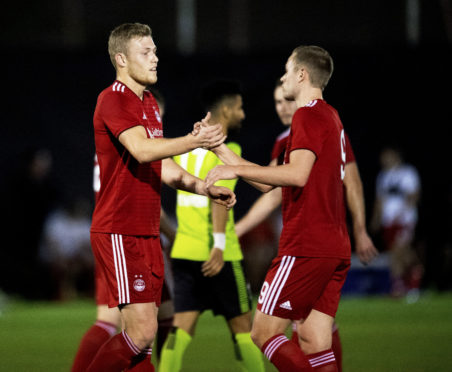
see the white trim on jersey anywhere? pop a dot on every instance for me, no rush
(278, 282)
(120, 269)
(311, 104)
(118, 87)
(274, 345)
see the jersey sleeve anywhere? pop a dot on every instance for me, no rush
(349, 154)
(307, 132)
(119, 112)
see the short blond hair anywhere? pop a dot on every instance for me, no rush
(121, 35)
(317, 61)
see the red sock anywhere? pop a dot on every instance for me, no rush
(323, 361)
(115, 355)
(285, 355)
(90, 344)
(337, 348)
(142, 362)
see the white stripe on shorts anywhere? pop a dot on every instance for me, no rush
(120, 269)
(272, 295)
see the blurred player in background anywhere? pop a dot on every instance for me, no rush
(267, 203)
(206, 255)
(395, 215)
(305, 280)
(133, 159)
(108, 320)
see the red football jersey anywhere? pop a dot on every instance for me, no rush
(128, 201)
(279, 147)
(314, 215)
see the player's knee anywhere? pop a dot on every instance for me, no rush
(314, 342)
(259, 335)
(141, 326)
(241, 323)
(143, 333)
(255, 336)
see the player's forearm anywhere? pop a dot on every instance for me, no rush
(220, 217)
(294, 173)
(151, 149)
(190, 183)
(355, 204)
(178, 178)
(283, 175)
(229, 157)
(354, 195)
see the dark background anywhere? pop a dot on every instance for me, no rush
(387, 86)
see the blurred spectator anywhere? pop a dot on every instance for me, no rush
(66, 249)
(395, 217)
(29, 194)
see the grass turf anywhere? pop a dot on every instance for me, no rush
(378, 334)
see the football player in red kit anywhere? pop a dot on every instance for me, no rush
(305, 279)
(133, 159)
(268, 202)
(108, 319)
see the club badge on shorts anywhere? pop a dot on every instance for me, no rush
(138, 284)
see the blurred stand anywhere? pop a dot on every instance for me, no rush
(371, 279)
(443, 239)
(66, 251)
(29, 194)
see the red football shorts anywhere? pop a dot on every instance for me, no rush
(296, 285)
(101, 285)
(129, 269)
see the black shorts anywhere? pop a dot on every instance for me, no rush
(226, 294)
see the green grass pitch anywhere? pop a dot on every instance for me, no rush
(378, 334)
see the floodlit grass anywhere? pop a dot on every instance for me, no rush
(390, 335)
(378, 334)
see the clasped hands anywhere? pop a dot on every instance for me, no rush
(211, 136)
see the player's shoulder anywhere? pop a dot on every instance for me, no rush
(115, 93)
(308, 110)
(309, 115)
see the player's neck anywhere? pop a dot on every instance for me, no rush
(132, 84)
(308, 95)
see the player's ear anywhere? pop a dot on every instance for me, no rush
(225, 110)
(120, 59)
(302, 74)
